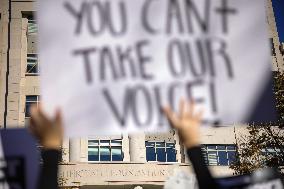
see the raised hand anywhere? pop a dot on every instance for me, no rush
(49, 132)
(187, 122)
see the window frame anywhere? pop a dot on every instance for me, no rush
(271, 152)
(165, 147)
(273, 50)
(37, 64)
(32, 102)
(110, 145)
(32, 22)
(213, 148)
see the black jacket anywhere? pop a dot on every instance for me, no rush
(49, 170)
(204, 178)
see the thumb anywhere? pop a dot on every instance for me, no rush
(172, 118)
(58, 121)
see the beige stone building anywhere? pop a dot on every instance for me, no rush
(120, 162)
(277, 55)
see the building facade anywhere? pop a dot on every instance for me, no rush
(276, 46)
(123, 161)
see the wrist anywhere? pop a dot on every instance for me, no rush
(51, 145)
(191, 143)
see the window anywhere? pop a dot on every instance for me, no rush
(32, 64)
(160, 151)
(222, 155)
(273, 153)
(31, 99)
(270, 151)
(272, 47)
(32, 26)
(281, 47)
(105, 150)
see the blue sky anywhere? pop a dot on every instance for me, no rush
(278, 6)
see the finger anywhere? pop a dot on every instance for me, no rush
(199, 115)
(190, 108)
(181, 136)
(33, 109)
(172, 118)
(35, 117)
(58, 121)
(31, 127)
(182, 111)
(58, 118)
(42, 116)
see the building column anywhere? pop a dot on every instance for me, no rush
(125, 147)
(3, 56)
(275, 37)
(179, 148)
(137, 148)
(75, 150)
(65, 150)
(84, 150)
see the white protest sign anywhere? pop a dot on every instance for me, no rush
(111, 65)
